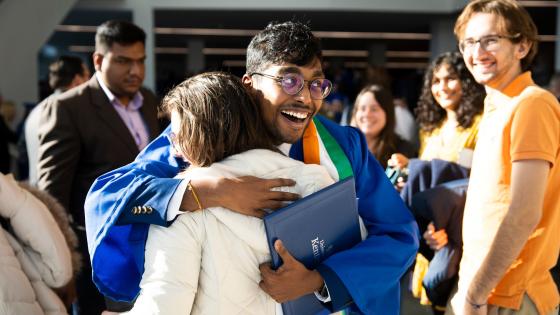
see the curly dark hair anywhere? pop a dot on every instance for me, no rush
(219, 117)
(287, 42)
(428, 112)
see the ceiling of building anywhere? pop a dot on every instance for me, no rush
(225, 34)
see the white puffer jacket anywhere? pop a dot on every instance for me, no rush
(34, 256)
(207, 262)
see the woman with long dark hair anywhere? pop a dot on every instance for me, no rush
(448, 112)
(374, 115)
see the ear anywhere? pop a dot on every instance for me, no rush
(97, 60)
(523, 49)
(247, 81)
(78, 79)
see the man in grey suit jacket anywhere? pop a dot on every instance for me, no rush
(94, 128)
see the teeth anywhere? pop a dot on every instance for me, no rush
(298, 115)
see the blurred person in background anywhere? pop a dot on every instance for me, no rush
(65, 73)
(448, 112)
(405, 123)
(554, 85)
(374, 115)
(9, 113)
(335, 105)
(7, 136)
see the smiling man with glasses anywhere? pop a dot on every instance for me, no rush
(512, 213)
(288, 121)
(284, 70)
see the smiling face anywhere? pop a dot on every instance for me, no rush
(446, 87)
(370, 117)
(286, 116)
(498, 66)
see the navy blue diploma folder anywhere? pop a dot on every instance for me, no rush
(312, 229)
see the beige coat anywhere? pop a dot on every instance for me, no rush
(34, 255)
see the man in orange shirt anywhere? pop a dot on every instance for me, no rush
(512, 214)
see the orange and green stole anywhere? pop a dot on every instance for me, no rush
(320, 147)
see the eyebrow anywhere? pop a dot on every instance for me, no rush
(130, 59)
(318, 73)
(292, 69)
(488, 35)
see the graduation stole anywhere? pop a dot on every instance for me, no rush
(320, 147)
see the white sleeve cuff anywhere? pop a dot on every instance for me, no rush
(174, 206)
(323, 296)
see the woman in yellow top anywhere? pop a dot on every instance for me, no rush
(448, 112)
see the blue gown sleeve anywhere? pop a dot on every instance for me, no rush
(119, 208)
(370, 271)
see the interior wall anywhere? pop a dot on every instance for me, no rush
(24, 28)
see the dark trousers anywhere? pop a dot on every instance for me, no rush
(118, 306)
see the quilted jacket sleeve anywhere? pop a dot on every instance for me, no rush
(35, 228)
